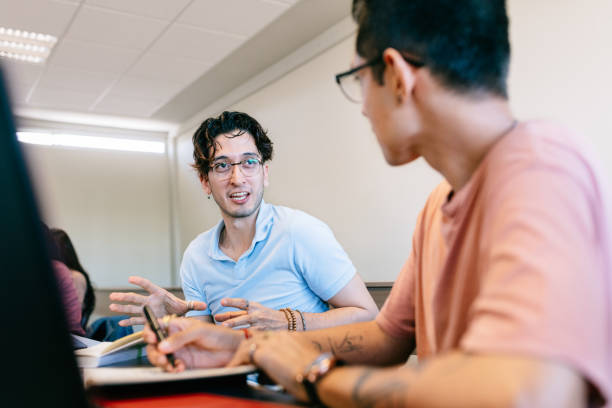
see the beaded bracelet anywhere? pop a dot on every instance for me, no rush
(293, 320)
(288, 317)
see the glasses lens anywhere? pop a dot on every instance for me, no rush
(351, 87)
(249, 166)
(222, 168)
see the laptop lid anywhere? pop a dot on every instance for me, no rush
(36, 353)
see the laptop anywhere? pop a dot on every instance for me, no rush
(37, 359)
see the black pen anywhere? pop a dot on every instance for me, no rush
(159, 332)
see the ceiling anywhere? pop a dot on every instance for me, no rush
(155, 59)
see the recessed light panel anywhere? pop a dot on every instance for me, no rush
(25, 45)
(91, 142)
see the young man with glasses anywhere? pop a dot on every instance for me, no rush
(278, 266)
(507, 292)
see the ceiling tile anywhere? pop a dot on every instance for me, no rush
(177, 69)
(18, 93)
(242, 17)
(162, 9)
(107, 27)
(127, 106)
(61, 99)
(76, 80)
(145, 88)
(189, 42)
(22, 72)
(93, 57)
(41, 16)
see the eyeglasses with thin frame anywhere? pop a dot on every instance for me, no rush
(249, 167)
(350, 84)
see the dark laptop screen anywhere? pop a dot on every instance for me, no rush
(36, 354)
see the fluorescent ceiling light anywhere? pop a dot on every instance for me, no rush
(91, 142)
(25, 46)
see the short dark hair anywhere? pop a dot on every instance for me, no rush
(205, 147)
(464, 43)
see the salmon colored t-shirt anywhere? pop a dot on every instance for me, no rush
(518, 261)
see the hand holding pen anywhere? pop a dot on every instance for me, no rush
(156, 328)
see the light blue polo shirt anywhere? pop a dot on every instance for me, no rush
(294, 261)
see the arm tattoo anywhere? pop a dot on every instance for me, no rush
(389, 394)
(362, 378)
(346, 345)
(318, 345)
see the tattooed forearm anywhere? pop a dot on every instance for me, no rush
(318, 345)
(358, 384)
(348, 344)
(385, 394)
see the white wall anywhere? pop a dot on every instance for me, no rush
(328, 163)
(113, 205)
(562, 65)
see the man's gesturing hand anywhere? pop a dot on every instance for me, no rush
(252, 314)
(160, 300)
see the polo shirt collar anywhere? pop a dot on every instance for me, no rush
(263, 224)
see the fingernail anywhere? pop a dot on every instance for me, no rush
(164, 345)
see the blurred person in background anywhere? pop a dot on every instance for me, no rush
(82, 283)
(70, 299)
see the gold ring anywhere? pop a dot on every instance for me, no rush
(190, 305)
(165, 321)
(252, 349)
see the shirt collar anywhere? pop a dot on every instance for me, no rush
(263, 224)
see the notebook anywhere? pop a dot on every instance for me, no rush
(103, 353)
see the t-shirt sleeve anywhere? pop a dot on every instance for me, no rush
(397, 316)
(192, 285)
(323, 263)
(542, 291)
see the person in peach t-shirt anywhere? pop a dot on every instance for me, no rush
(507, 292)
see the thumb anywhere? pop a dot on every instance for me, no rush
(197, 305)
(241, 356)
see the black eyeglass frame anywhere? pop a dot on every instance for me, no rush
(415, 62)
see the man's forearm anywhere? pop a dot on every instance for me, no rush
(457, 380)
(335, 317)
(361, 343)
(203, 318)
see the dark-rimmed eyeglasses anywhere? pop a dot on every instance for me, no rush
(350, 84)
(223, 169)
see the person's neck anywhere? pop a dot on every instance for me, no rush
(459, 132)
(237, 234)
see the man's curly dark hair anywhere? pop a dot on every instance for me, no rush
(234, 123)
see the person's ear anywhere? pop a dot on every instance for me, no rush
(399, 74)
(265, 175)
(205, 185)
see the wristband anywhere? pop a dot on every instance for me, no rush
(303, 321)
